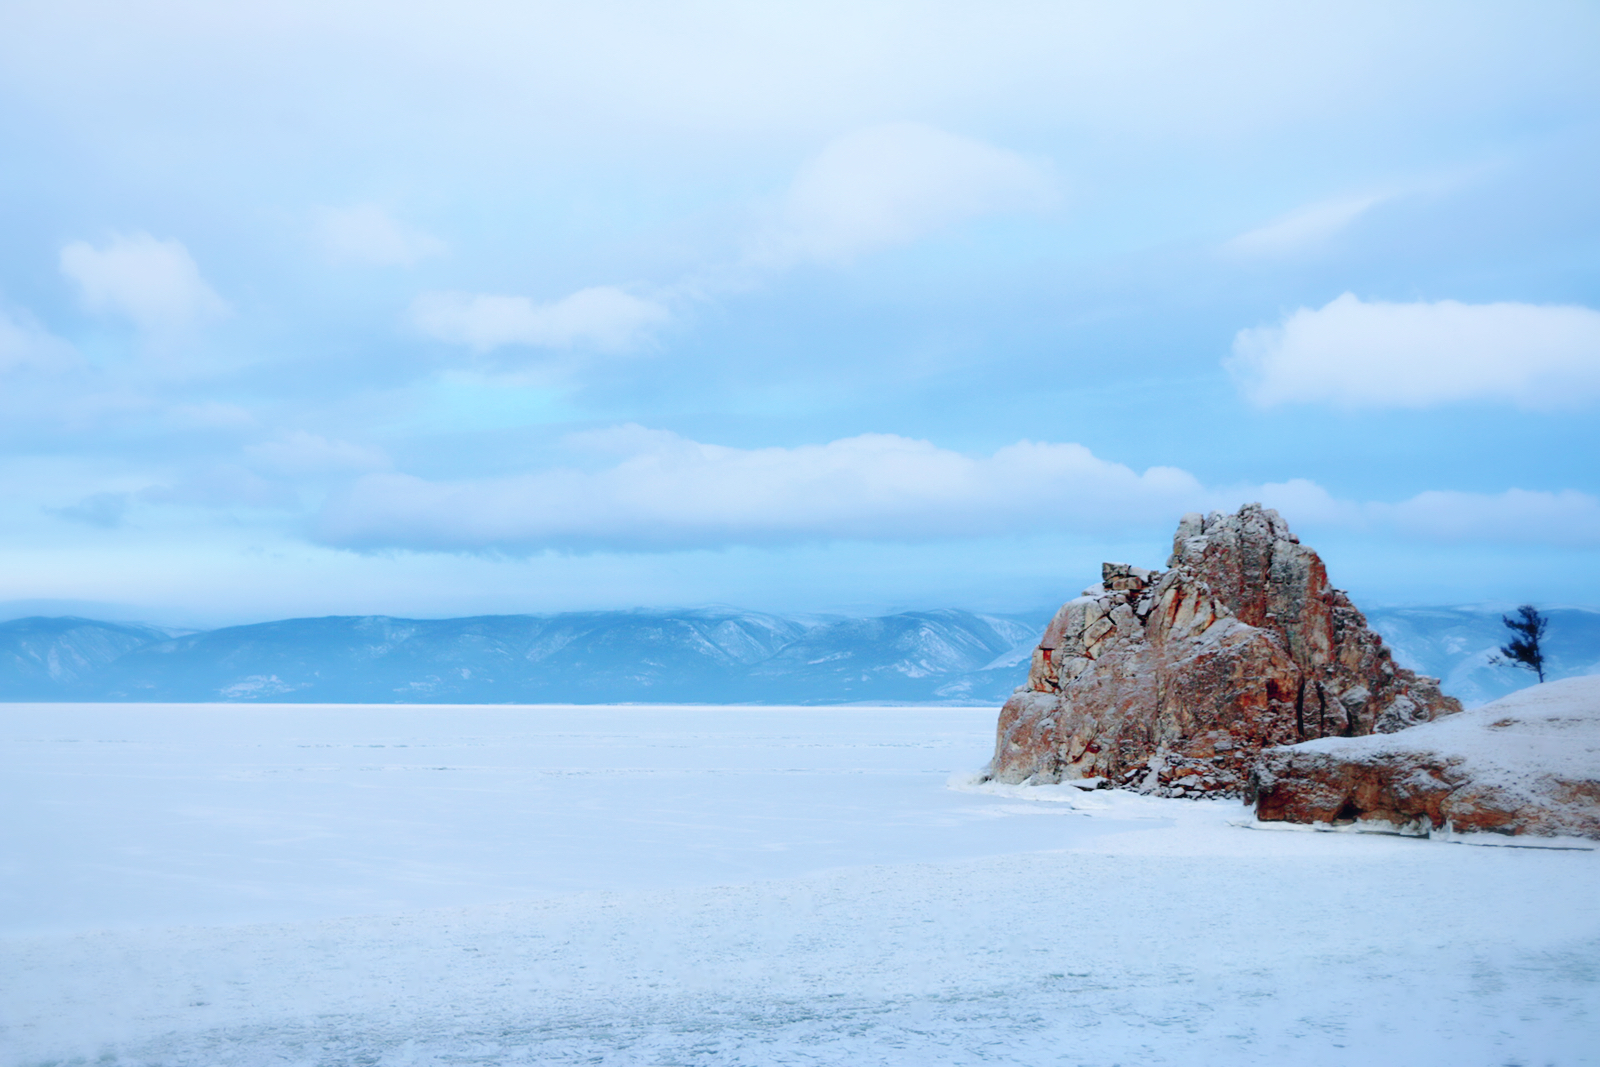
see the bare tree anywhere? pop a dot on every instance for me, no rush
(1527, 627)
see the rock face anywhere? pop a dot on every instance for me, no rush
(1527, 764)
(1173, 682)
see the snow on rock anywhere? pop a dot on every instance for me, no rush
(1172, 682)
(1528, 763)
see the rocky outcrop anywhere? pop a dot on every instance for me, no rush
(1527, 764)
(1173, 682)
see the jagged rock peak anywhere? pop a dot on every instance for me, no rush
(1174, 680)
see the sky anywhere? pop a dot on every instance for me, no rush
(440, 309)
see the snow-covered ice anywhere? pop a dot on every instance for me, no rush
(650, 885)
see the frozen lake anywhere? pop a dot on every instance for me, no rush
(138, 814)
(230, 884)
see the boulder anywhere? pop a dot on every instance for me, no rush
(1527, 764)
(1173, 681)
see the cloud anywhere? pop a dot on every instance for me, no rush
(25, 345)
(669, 492)
(1516, 516)
(1302, 229)
(103, 510)
(222, 485)
(300, 453)
(602, 317)
(1563, 518)
(368, 234)
(154, 283)
(1355, 354)
(888, 185)
(207, 415)
(663, 492)
(872, 189)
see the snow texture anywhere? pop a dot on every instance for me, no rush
(1546, 730)
(1528, 763)
(243, 885)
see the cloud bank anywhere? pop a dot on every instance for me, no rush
(665, 492)
(1356, 354)
(668, 492)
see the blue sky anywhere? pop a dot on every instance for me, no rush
(480, 307)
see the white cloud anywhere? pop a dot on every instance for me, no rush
(1302, 229)
(154, 283)
(663, 492)
(299, 452)
(367, 233)
(670, 492)
(888, 185)
(1516, 516)
(1356, 354)
(1564, 518)
(25, 345)
(603, 317)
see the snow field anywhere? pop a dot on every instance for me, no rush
(815, 894)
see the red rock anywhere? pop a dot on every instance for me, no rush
(1526, 764)
(1240, 645)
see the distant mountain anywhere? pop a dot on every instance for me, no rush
(653, 656)
(917, 655)
(578, 657)
(1456, 645)
(47, 659)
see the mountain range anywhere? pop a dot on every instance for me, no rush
(709, 656)
(1460, 646)
(703, 656)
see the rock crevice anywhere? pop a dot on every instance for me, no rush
(1172, 681)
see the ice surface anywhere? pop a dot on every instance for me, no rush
(140, 814)
(629, 885)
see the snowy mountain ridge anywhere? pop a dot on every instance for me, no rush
(721, 655)
(710, 656)
(1458, 645)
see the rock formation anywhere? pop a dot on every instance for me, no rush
(1173, 682)
(1527, 764)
